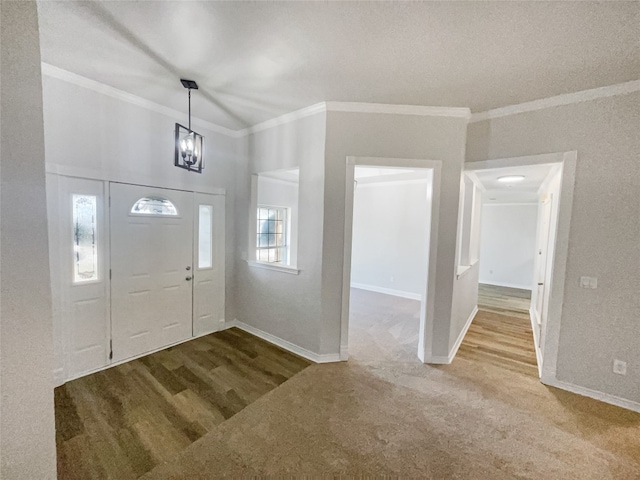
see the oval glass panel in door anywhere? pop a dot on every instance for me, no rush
(154, 205)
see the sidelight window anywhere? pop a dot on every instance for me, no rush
(85, 251)
(205, 236)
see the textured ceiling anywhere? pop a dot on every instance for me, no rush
(254, 61)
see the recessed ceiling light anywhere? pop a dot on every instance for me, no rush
(511, 178)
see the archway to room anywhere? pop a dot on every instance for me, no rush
(520, 246)
(389, 220)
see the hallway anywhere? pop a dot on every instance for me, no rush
(500, 333)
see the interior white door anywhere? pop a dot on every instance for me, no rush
(542, 260)
(151, 268)
(209, 267)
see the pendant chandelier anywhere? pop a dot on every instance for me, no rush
(189, 144)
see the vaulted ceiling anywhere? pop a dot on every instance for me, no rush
(257, 60)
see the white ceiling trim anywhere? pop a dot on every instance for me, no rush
(559, 100)
(74, 78)
(286, 118)
(354, 107)
(350, 107)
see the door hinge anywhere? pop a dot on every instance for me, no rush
(110, 349)
(109, 274)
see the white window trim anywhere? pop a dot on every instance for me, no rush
(250, 256)
(274, 266)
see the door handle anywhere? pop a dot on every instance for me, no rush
(188, 278)
(540, 284)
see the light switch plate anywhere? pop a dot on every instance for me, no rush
(588, 282)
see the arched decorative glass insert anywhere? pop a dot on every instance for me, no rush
(154, 205)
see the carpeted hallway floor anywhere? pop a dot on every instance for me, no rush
(384, 413)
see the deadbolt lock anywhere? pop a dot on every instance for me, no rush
(188, 268)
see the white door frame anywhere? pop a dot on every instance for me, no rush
(428, 297)
(56, 201)
(549, 360)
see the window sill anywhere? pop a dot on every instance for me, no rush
(463, 270)
(278, 268)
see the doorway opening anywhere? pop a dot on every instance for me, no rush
(517, 227)
(388, 232)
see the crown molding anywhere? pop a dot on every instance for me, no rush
(286, 118)
(75, 79)
(355, 107)
(559, 100)
(348, 107)
(389, 109)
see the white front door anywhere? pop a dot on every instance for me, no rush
(151, 268)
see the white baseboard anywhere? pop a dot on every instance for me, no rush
(59, 377)
(454, 350)
(344, 353)
(595, 394)
(387, 291)
(286, 345)
(506, 284)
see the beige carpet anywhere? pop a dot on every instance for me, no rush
(383, 413)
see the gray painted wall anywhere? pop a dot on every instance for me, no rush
(390, 227)
(465, 299)
(597, 325)
(100, 135)
(27, 439)
(287, 306)
(508, 244)
(397, 136)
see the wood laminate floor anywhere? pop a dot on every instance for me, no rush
(514, 302)
(121, 422)
(500, 333)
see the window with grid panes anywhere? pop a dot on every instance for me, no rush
(271, 241)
